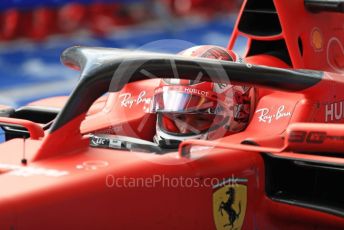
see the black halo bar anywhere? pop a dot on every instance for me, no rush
(325, 5)
(108, 70)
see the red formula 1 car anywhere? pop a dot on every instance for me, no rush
(88, 161)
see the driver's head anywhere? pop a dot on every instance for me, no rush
(200, 110)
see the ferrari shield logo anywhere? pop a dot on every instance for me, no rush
(229, 206)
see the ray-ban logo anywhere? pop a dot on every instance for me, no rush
(264, 114)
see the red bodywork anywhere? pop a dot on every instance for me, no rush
(66, 184)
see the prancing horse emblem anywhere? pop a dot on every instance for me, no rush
(229, 206)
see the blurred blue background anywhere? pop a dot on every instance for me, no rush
(30, 68)
(29, 4)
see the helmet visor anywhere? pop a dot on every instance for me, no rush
(184, 113)
(181, 102)
(188, 124)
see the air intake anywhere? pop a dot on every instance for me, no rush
(260, 19)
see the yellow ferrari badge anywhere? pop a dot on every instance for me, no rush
(229, 206)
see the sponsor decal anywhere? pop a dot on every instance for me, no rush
(229, 204)
(316, 137)
(264, 114)
(196, 91)
(25, 171)
(313, 137)
(128, 101)
(334, 111)
(98, 141)
(317, 39)
(310, 138)
(335, 54)
(297, 136)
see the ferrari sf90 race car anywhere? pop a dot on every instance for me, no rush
(203, 139)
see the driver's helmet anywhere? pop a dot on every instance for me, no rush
(200, 110)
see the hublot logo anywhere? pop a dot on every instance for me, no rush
(334, 111)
